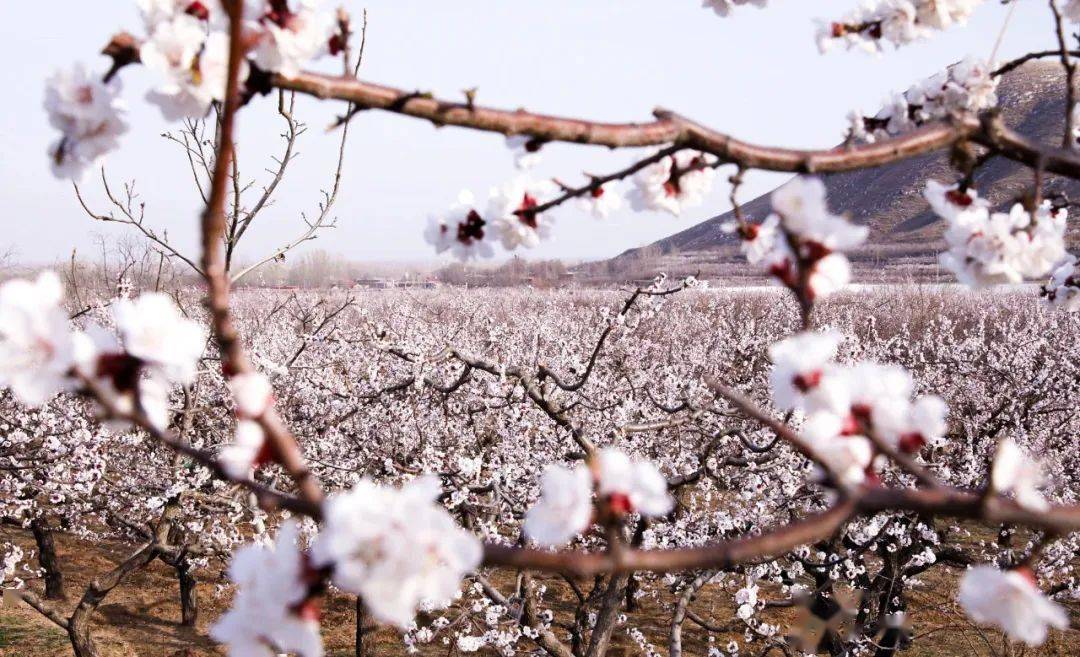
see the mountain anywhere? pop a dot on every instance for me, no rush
(905, 235)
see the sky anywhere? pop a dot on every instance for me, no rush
(756, 75)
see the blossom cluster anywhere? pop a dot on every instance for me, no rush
(372, 536)
(899, 22)
(186, 46)
(88, 113)
(41, 354)
(397, 548)
(253, 396)
(623, 484)
(272, 610)
(513, 215)
(9, 565)
(848, 407)
(509, 217)
(801, 242)
(674, 183)
(964, 87)
(1063, 289)
(988, 248)
(1012, 601)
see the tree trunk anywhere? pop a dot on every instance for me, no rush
(79, 624)
(54, 578)
(359, 627)
(677, 618)
(189, 599)
(605, 619)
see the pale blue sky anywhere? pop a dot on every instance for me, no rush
(756, 74)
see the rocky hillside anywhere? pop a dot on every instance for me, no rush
(904, 233)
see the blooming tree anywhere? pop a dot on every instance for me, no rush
(863, 478)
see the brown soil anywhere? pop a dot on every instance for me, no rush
(141, 617)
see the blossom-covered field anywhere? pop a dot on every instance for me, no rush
(383, 386)
(662, 469)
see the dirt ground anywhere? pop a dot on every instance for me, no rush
(141, 618)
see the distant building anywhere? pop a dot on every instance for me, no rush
(373, 283)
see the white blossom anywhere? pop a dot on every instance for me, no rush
(762, 244)
(949, 201)
(153, 330)
(564, 508)
(799, 365)
(988, 248)
(36, 344)
(895, 21)
(802, 233)
(192, 65)
(964, 87)
(90, 117)
(267, 613)
(747, 599)
(99, 356)
(510, 207)
(803, 211)
(252, 393)
(470, 643)
(829, 274)
(461, 229)
(9, 565)
(1015, 472)
(634, 484)
(673, 184)
(526, 150)
(1062, 291)
(602, 201)
(1012, 601)
(372, 536)
(239, 458)
(848, 457)
(156, 12)
(287, 37)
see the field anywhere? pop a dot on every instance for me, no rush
(365, 380)
(142, 620)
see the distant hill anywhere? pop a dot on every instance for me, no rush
(904, 233)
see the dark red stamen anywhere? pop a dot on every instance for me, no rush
(749, 232)
(872, 477)
(336, 45)
(266, 454)
(526, 212)
(957, 197)
(805, 382)
(620, 504)
(784, 272)
(279, 13)
(911, 443)
(850, 427)
(472, 228)
(198, 10)
(121, 369)
(814, 251)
